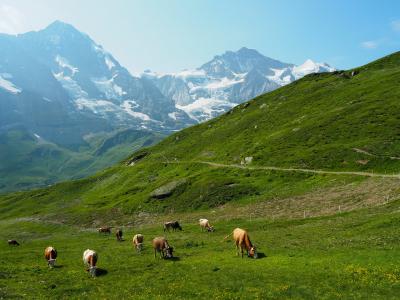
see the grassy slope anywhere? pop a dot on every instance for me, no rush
(313, 123)
(27, 162)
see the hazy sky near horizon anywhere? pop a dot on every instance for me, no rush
(172, 35)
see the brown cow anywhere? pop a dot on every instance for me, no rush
(118, 234)
(104, 230)
(50, 254)
(138, 242)
(160, 244)
(90, 258)
(13, 243)
(242, 240)
(205, 224)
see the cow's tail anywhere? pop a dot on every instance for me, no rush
(227, 236)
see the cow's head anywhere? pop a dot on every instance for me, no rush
(210, 229)
(169, 252)
(139, 246)
(253, 252)
(51, 262)
(92, 271)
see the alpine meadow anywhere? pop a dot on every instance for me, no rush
(304, 158)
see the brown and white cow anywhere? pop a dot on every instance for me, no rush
(13, 243)
(160, 244)
(205, 224)
(118, 234)
(104, 230)
(242, 240)
(90, 258)
(138, 242)
(50, 254)
(174, 225)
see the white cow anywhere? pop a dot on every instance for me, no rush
(205, 224)
(90, 259)
(138, 242)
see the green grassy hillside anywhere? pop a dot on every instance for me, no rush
(28, 161)
(311, 170)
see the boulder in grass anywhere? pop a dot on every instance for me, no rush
(167, 189)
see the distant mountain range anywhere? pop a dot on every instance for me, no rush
(59, 89)
(227, 80)
(62, 85)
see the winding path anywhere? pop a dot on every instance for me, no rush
(357, 173)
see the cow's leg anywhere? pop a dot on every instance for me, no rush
(237, 248)
(155, 253)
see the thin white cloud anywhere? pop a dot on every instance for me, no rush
(395, 25)
(384, 41)
(370, 44)
(11, 19)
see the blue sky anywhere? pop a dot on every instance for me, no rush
(171, 35)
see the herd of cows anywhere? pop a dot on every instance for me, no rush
(160, 244)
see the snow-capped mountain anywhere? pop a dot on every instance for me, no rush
(58, 78)
(61, 85)
(227, 80)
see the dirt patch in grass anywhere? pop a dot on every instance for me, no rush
(338, 199)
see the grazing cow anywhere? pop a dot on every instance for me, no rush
(138, 242)
(13, 243)
(242, 240)
(173, 224)
(118, 234)
(160, 244)
(50, 254)
(104, 230)
(90, 258)
(205, 224)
